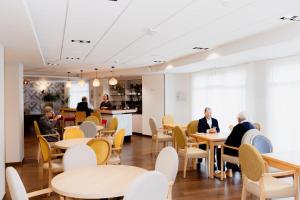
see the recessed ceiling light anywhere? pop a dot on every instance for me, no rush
(159, 61)
(81, 41)
(200, 48)
(52, 64)
(72, 58)
(112, 0)
(291, 18)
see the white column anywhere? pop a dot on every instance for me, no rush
(2, 147)
(14, 113)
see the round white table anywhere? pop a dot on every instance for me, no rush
(99, 128)
(65, 144)
(105, 181)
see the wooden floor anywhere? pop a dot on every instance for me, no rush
(138, 153)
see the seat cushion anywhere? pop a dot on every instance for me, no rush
(230, 159)
(274, 188)
(193, 152)
(57, 166)
(164, 137)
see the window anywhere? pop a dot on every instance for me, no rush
(76, 92)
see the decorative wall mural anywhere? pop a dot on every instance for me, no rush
(34, 92)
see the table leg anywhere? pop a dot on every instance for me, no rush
(211, 159)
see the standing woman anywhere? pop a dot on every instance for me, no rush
(105, 104)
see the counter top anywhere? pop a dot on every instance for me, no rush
(118, 112)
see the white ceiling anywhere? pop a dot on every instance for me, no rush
(134, 33)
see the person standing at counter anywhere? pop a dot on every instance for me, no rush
(105, 104)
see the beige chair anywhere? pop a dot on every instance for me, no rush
(79, 117)
(51, 161)
(115, 158)
(168, 119)
(112, 127)
(191, 129)
(188, 150)
(263, 185)
(158, 135)
(228, 158)
(257, 126)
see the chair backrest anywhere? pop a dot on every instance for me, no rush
(180, 137)
(168, 119)
(97, 114)
(249, 135)
(119, 139)
(36, 128)
(167, 163)
(257, 126)
(93, 119)
(102, 149)
(45, 148)
(251, 161)
(73, 133)
(80, 116)
(89, 129)
(113, 125)
(15, 185)
(230, 127)
(192, 127)
(148, 186)
(79, 156)
(262, 144)
(153, 126)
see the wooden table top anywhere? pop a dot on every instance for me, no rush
(289, 159)
(174, 125)
(99, 128)
(104, 181)
(216, 137)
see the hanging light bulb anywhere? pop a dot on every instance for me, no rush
(96, 81)
(69, 83)
(81, 81)
(112, 80)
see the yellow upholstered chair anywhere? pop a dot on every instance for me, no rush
(158, 135)
(51, 161)
(73, 133)
(38, 133)
(188, 150)
(117, 147)
(112, 127)
(102, 149)
(263, 185)
(191, 129)
(97, 114)
(93, 119)
(79, 117)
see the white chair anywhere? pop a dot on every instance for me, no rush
(249, 135)
(16, 186)
(79, 156)
(148, 186)
(167, 163)
(89, 128)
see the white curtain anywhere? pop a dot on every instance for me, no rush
(76, 92)
(223, 90)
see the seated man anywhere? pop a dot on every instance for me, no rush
(235, 139)
(83, 106)
(207, 124)
(47, 124)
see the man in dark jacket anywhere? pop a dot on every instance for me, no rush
(83, 106)
(48, 123)
(207, 124)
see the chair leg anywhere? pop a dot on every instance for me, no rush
(222, 170)
(185, 165)
(38, 154)
(244, 193)
(169, 197)
(156, 147)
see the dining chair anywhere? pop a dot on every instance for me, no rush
(52, 162)
(38, 133)
(79, 117)
(189, 150)
(93, 119)
(73, 133)
(67, 116)
(118, 141)
(112, 127)
(168, 119)
(16, 187)
(167, 162)
(158, 136)
(249, 135)
(257, 126)
(79, 156)
(262, 144)
(191, 129)
(97, 114)
(151, 185)
(102, 149)
(259, 183)
(89, 129)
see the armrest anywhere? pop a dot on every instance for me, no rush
(54, 134)
(229, 147)
(107, 131)
(39, 192)
(162, 130)
(196, 143)
(279, 174)
(56, 155)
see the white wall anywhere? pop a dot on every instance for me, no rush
(14, 113)
(177, 97)
(153, 100)
(2, 147)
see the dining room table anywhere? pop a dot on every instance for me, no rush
(96, 182)
(65, 144)
(212, 140)
(99, 127)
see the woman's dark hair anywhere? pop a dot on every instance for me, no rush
(106, 96)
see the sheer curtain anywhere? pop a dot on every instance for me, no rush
(224, 90)
(283, 106)
(76, 92)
